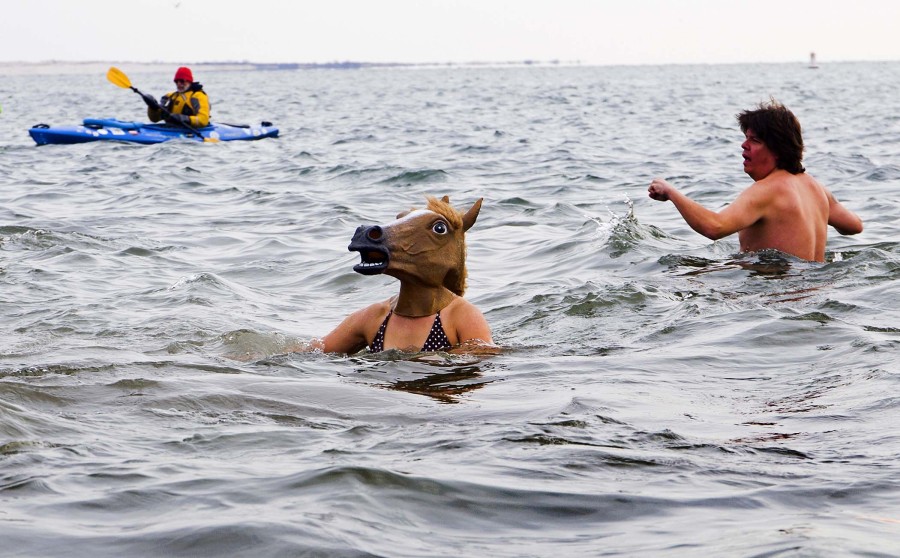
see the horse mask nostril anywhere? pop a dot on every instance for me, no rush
(374, 233)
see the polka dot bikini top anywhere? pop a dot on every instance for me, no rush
(437, 339)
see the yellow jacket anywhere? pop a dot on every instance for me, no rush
(193, 103)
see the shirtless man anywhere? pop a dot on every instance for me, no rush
(785, 208)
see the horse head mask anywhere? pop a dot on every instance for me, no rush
(426, 247)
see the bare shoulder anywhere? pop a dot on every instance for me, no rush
(780, 190)
(807, 180)
(784, 179)
(755, 202)
(367, 320)
(376, 310)
(461, 308)
(467, 321)
(776, 182)
(355, 331)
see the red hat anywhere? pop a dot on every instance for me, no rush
(184, 73)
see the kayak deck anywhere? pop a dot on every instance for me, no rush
(111, 129)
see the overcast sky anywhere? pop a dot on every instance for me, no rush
(422, 31)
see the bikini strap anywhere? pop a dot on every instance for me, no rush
(377, 344)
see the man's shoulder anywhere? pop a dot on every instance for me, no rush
(773, 191)
(785, 191)
(781, 179)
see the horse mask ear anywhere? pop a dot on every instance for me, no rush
(471, 214)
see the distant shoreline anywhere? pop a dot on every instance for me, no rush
(56, 67)
(89, 67)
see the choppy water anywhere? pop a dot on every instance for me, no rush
(658, 395)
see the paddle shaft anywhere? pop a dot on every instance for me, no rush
(170, 115)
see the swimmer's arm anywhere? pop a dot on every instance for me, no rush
(349, 336)
(747, 209)
(314, 344)
(841, 218)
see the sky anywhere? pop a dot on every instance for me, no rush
(594, 32)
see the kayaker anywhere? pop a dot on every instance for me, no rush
(187, 105)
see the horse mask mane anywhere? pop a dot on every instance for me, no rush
(422, 246)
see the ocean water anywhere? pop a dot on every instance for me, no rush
(657, 394)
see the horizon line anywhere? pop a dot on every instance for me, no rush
(356, 64)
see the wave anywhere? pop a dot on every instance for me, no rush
(424, 176)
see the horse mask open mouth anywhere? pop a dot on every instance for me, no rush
(374, 256)
(426, 246)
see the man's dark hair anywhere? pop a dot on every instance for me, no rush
(779, 129)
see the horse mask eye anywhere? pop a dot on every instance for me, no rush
(439, 227)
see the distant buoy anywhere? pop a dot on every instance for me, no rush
(812, 61)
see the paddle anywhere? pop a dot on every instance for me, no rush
(118, 77)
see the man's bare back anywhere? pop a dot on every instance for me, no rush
(794, 219)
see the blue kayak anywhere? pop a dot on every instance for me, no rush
(110, 129)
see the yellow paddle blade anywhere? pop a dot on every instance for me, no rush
(118, 77)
